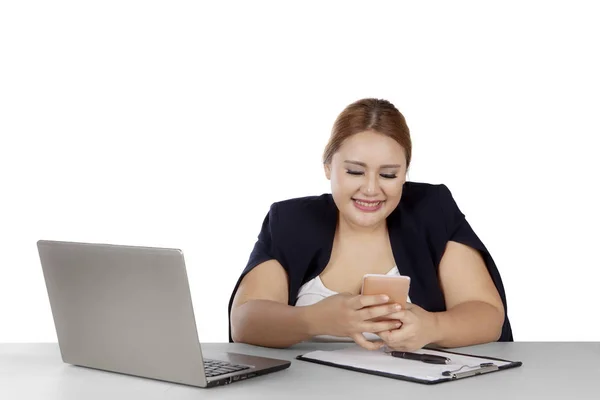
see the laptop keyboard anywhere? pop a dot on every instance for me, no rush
(217, 367)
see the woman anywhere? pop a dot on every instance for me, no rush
(303, 279)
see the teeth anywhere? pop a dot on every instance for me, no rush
(372, 205)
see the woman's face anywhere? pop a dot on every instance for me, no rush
(367, 174)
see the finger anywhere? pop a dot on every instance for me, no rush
(360, 339)
(378, 311)
(376, 327)
(385, 335)
(400, 338)
(403, 316)
(362, 301)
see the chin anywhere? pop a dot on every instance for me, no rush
(370, 224)
(367, 221)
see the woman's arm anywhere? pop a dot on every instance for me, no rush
(475, 313)
(260, 314)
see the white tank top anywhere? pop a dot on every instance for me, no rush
(314, 291)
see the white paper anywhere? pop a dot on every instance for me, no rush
(378, 360)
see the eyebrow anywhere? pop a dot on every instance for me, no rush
(362, 164)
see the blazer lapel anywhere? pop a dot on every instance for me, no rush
(411, 254)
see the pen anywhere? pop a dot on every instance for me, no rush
(426, 358)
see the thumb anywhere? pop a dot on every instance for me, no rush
(360, 339)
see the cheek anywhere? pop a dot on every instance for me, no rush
(392, 189)
(343, 183)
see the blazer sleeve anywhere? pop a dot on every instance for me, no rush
(265, 248)
(459, 230)
(457, 227)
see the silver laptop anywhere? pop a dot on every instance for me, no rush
(128, 309)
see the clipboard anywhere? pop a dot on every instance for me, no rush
(377, 362)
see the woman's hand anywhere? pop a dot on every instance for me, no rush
(419, 328)
(348, 315)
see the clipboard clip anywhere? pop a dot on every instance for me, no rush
(481, 369)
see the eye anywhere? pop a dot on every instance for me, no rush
(354, 172)
(389, 176)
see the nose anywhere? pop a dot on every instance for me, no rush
(370, 186)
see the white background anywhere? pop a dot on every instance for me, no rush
(177, 124)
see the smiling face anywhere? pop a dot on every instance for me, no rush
(367, 174)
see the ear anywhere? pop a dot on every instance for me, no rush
(327, 168)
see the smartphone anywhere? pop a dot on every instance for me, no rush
(395, 287)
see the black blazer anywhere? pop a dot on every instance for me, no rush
(299, 234)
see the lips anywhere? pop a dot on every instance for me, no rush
(368, 205)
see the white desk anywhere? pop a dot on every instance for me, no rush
(549, 371)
